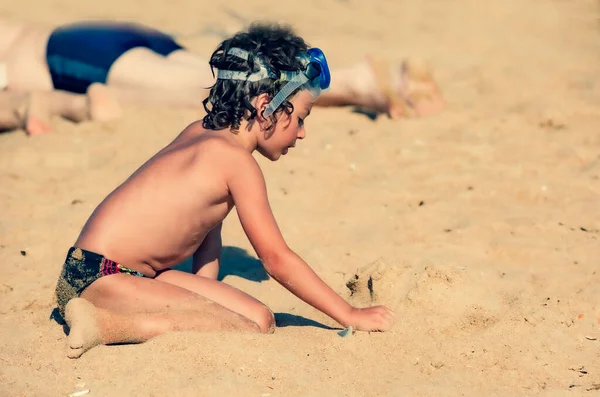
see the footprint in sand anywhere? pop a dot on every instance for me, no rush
(475, 319)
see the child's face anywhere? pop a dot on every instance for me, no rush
(288, 129)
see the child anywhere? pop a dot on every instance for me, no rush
(117, 285)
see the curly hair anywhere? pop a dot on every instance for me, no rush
(230, 100)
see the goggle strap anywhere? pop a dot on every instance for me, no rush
(295, 79)
(238, 52)
(243, 76)
(264, 72)
(299, 80)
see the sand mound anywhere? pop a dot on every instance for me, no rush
(395, 283)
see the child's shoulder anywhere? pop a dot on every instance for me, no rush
(216, 143)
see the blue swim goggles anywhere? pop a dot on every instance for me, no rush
(315, 76)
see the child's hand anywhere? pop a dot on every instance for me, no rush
(376, 318)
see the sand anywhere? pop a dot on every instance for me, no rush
(484, 219)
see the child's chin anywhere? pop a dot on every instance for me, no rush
(276, 156)
(271, 156)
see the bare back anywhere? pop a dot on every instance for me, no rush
(162, 213)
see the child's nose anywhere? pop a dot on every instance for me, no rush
(301, 133)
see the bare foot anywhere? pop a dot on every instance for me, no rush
(37, 114)
(81, 315)
(407, 90)
(103, 104)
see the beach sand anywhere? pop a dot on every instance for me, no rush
(483, 221)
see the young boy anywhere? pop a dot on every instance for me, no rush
(117, 285)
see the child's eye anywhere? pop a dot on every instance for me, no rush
(300, 122)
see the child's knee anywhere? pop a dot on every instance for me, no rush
(265, 319)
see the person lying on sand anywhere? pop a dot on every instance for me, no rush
(32, 111)
(117, 284)
(143, 65)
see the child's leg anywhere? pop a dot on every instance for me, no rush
(91, 326)
(223, 294)
(128, 309)
(209, 270)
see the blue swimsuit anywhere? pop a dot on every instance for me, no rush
(81, 54)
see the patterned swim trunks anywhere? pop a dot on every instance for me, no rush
(81, 269)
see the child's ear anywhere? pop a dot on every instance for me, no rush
(262, 101)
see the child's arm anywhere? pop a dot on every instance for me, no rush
(206, 258)
(248, 189)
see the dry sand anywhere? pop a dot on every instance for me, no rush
(487, 216)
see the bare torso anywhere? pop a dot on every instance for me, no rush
(23, 50)
(162, 213)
